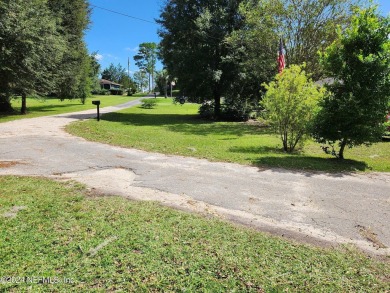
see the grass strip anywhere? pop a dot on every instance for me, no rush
(178, 130)
(53, 106)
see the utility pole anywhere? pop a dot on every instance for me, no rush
(128, 66)
(129, 90)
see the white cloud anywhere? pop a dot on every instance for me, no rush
(99, 57)
(132, 49)
(111, 56)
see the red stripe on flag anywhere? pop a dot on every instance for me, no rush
(281, 59)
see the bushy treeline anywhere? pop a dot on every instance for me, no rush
(229, 48)
(224, 53)
(118, 74)
(42, 49)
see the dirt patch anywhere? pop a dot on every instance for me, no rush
(258, 123)
(13, 212)
(371, 236)
(8, 164)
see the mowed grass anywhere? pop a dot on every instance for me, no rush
(56, 238)
(52, 106)
(178, 130)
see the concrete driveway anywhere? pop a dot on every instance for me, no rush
(326, 209)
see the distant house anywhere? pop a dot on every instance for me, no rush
(114, 88)
(325, 81)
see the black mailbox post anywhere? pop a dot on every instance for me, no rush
(97, 103)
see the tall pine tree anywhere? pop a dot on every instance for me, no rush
(73, 80)
(31, 49)
(146, 59)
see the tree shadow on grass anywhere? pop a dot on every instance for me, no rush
(33, 109)
(45, 108)
(257, 150)
(186, 124)
(276, 157)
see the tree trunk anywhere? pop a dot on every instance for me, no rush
(23, 109)
(166, 87)
(285, 144)
(149, 83)
(217, 104)
(5, 105)
(342, 148)
(153, 80)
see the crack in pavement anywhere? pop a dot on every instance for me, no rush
(288, 203)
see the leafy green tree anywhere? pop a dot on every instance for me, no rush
(114, 73)
(306, 27)
(141, 79)
(119, 75)
(194, 46)
(31, 50)
(359, 61)
(291, 102)
(309, 26)
(128, 83)
(162, 79)
(73, 77)
(109, 73)
(94, 72)
(255, 47)
(146, 59)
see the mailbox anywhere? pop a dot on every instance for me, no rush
(97, 103)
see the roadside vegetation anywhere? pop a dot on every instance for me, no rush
(53, 106)
(86, 242)
(178, 130)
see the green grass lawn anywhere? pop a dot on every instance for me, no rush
(177, 129)
(53, 106)
(88, 243)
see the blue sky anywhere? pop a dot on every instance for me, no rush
(116, 37)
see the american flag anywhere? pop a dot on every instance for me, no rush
(281, 59)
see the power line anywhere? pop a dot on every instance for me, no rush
(123, 14)
(137, 18)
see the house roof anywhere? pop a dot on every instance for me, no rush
(328, 81)
(105, 81)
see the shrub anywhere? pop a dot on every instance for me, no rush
(291, 102)
(237, 108)
(101, 92)
(148, 103)
(206, 110)
(230, 111)
(387, 126)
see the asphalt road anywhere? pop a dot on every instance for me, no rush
(325, 209)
